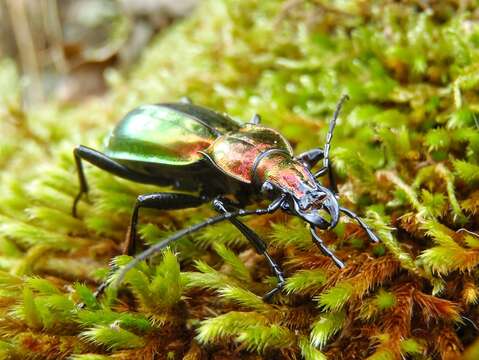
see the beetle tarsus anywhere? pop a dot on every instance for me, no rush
(372, 236)
(81, 306)
(325, 250)
(75, 204)
(98, 291)
(279, 275)
(270, 294)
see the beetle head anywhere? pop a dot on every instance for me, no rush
(305, 196)
(319, 207)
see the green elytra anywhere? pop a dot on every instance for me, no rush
(166, 134)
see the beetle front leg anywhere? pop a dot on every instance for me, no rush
(222, 206)
(366, 228)
(325, 250)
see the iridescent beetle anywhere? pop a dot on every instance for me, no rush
(197, 150)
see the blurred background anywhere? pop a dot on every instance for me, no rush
(62, 48)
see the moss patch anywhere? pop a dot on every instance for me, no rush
(406, 150)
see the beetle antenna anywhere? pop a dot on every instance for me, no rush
(163, 244)
(332, 124)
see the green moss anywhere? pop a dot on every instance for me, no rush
(405, 149)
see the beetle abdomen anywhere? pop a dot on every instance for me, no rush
(160, 134)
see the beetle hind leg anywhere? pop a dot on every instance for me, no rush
(104, 162)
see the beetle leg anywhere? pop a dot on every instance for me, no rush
(154, 249)
(311, 157)
(103, 162)
(160, 201)
(366, 228)
(260, 246)
(81, 179)
(325, 250)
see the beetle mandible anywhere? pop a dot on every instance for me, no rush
(210, 155)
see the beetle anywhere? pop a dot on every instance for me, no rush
(213, 158)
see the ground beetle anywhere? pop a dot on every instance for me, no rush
(197, 150)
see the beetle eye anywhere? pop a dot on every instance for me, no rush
(267, 187)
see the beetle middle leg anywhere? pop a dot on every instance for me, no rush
(152, 250)
(160, 201)
(311, 157)
(222, 206)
